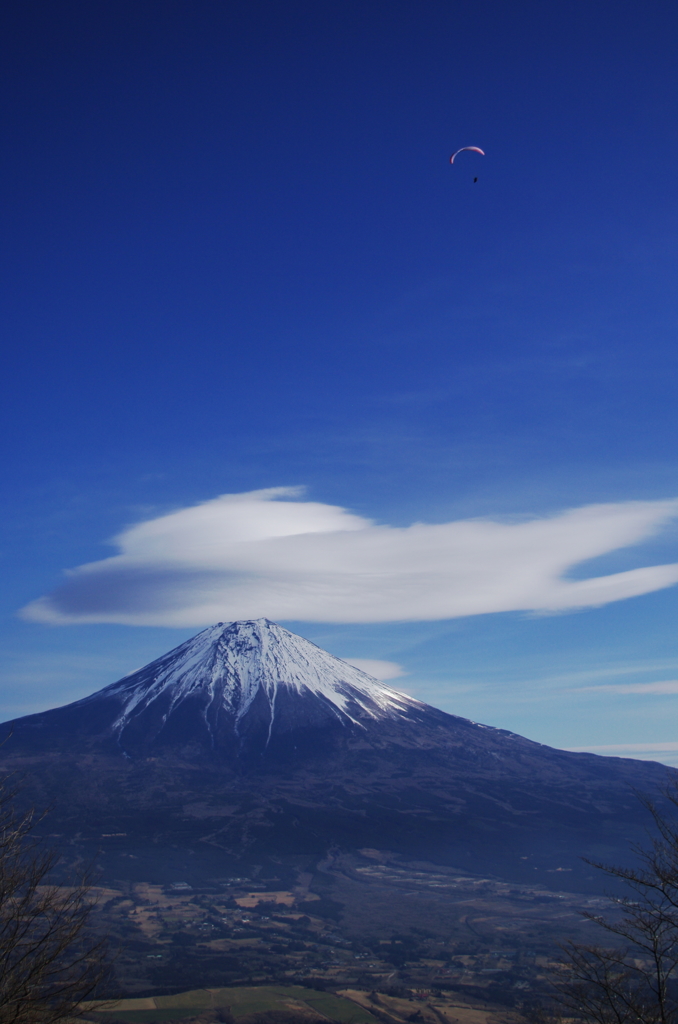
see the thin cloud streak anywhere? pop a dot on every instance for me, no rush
(664, 687)
(628, 748)
(635, 668)
(269, 553)
(377, 668)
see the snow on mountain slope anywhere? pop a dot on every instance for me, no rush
(239, 675)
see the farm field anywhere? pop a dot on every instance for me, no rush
(350, 1006)
(427, 1008)
(304, 1002)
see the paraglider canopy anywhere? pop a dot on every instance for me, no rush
(471, 149)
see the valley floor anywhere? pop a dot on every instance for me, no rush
(369, 922)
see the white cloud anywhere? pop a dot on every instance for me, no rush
(268, 553)
(378, 669)
(665, 686)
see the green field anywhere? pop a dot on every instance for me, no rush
(241, 1001)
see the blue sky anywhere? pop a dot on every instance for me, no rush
(236, 258)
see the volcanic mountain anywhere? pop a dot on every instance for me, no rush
(235, 692)
(248, 741)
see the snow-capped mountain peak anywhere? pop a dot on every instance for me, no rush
(242, 679)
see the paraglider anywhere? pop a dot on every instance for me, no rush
(470, 149)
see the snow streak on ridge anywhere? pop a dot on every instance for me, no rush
(227, 665)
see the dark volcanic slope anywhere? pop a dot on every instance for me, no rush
(250, 741)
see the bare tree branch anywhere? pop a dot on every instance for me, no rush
(49, 962)
(635, 980)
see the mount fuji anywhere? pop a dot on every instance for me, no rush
(235, 691)
(248, 741)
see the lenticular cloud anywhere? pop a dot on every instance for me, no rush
(270, 553)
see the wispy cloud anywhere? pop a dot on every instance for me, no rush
(378, 669)
(271, 553)
(631, 668)
(630, 748)
(663, 687)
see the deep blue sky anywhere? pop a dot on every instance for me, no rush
(235, 256)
